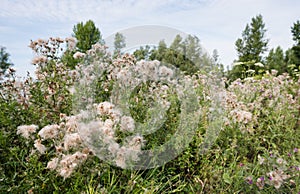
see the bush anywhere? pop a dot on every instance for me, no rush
(66, 131)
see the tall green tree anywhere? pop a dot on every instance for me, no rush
(250, 48)
(276, 60)
(177, 44)
(87, 34)
(119, 43)
(142, 53)
(5, 62)
(216, 62)
(296, 48)
(195, 53)
(160, 52)
(186, 54)
(295, 29)
(253, 43)
(292, 55)
(192, 48)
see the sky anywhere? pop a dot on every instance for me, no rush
(217, 23)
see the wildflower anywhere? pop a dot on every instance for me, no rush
(108, 133)
(98, 47)
(164, 88)
(70, 39)
(115, 115)
(26, 130)
(249, 180)
(52, 164)
(71, 140)
(71, 123)
(280, 161)
(71, 43)
(86, 151)
(49, 131)
(123, 75)
(261, 160)
(296, 149)
(108, 123)
(113, 148)
(242, 116)
(80, 156)
(259, 64)
(78, 55)
(32, 44)
(65, 172)
(292, 182)
(39, 60)
(136, 142)
(127, 124)
(40, 41)
(274, 72)
(59, 40)
(277, 184)
(120, 159)
(69, 162)
(59, 149)
(277, 178)
(165, 72)
(260, 182)
(105, 107)
(237, 64)
(250, 71)
(39, 146)
(30, 191)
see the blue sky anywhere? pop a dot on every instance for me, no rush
(218, 23)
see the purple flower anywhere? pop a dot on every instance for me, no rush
(296, 150)
(260, 183)
(249, 180)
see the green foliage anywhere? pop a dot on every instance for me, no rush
(296, 48)
(186, 54)
(276, 60)
(5, 62)
(87, 34)
(69, 60)
(119, 43)
(216, 62)
(143, 53)
(250, 48)
(295, 29)
(253, 43)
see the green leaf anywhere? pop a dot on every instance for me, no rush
(227, 179)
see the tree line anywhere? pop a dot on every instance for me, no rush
(252, 46)
(188, 55)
